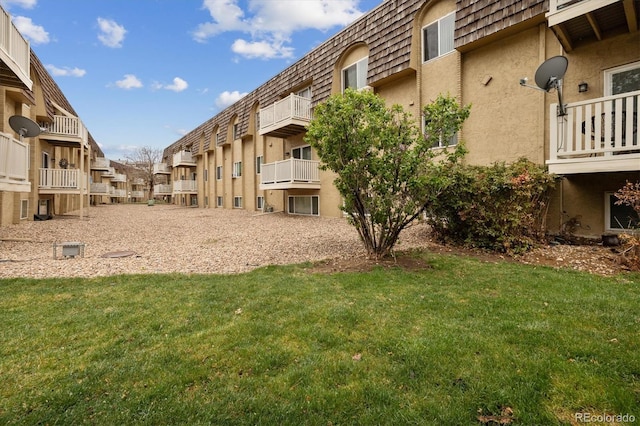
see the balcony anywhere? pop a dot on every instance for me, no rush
(162, 189)
(119, 177)
(101, 163)
(119, 193)
(183, 158)
(111, 172)
(61, 181)
(161, 169)
(598, 135)
(185, 186)
(15, 55)
(137, 194)
(100, 189)
(577, 22)
(290, 174)
(14, 165)
(138, 182)
(65, 131)
(287, 117)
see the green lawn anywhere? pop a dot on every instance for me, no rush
(455, 343)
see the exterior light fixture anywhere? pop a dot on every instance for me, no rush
(583, 87)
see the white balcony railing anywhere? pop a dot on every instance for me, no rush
(183, 158)
(138, 181)
(14, 49)
(162, 189)
(596, 135)
(14, 163)
(62, 179)
(100, 163)
(286, 111)
(185, 186)
(67, 127)
(100, 189)
(137, 194)
(161, 168)
(119, 193)
(109, 173)
(119, 177)
(290, 171)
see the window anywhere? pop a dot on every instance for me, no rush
(219, 202)
(355, 75)
(24, 209)
(206, 175)
(259, 202)
(236, 131)
(305, 93)
(218, 172)
(237, 202)
(437, 38)
(306, 205)
(257, 119)
(442, 142)
(622, 79)
(45, 160)
(259, 163)
(237, 169)
(619, 217)
(217, 138)
(302, 152)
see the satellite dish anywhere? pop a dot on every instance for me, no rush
(551, 72)
(24, 126)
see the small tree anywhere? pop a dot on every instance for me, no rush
(380, 159)
(143, 158)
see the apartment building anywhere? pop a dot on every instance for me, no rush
(60, 170)
(253, 156)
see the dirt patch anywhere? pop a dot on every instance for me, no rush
(591, 258)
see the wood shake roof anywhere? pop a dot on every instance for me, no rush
(387, 31)
(52, 93)
(476, 19)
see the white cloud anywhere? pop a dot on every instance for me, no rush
(178, 85)
(261, 49)
(129, 81)
(65, 71)
(227, 98)
(35, 33)
(25, 4)
(111, 33)
(272, 22)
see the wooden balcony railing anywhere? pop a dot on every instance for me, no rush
(161, 168)
(292, 111)
(185, 186)
(119, 177)
(183, 158)
(14, 164)
(100, 163)
(162, 189)
(290, 173)
(15, 50)
(67, 128)
(98, 188)
(62, 179)
(596, 135)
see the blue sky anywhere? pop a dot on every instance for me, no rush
(145, 72)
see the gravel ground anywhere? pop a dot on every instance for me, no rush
(168, 238)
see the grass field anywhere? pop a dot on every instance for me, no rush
(462, 342)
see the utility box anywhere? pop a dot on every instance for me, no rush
(69, 249)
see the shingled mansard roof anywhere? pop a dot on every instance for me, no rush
(52, 93)
(387, 32)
